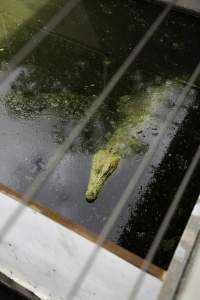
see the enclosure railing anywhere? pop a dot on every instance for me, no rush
(60, 152)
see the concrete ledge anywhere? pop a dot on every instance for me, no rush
(44, 258)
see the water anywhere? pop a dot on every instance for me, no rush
(78, 58)
(8, 294)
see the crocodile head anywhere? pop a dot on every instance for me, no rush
(103, 165)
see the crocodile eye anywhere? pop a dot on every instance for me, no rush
(98, 170)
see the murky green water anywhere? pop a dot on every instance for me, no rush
(58, 81)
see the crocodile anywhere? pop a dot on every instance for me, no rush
(135, 111)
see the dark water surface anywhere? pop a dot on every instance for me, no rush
(57, 82)
(8, 294)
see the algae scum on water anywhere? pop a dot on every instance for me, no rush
(53, 87)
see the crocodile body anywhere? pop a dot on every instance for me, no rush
(135, 112)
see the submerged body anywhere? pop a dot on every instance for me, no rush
(135, 111)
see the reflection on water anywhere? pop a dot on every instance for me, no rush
(58, 81)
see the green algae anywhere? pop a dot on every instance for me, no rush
(65, 105)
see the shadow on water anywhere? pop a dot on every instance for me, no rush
(145, 218)
(60, 79)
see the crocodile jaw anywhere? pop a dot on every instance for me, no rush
(104, 164)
